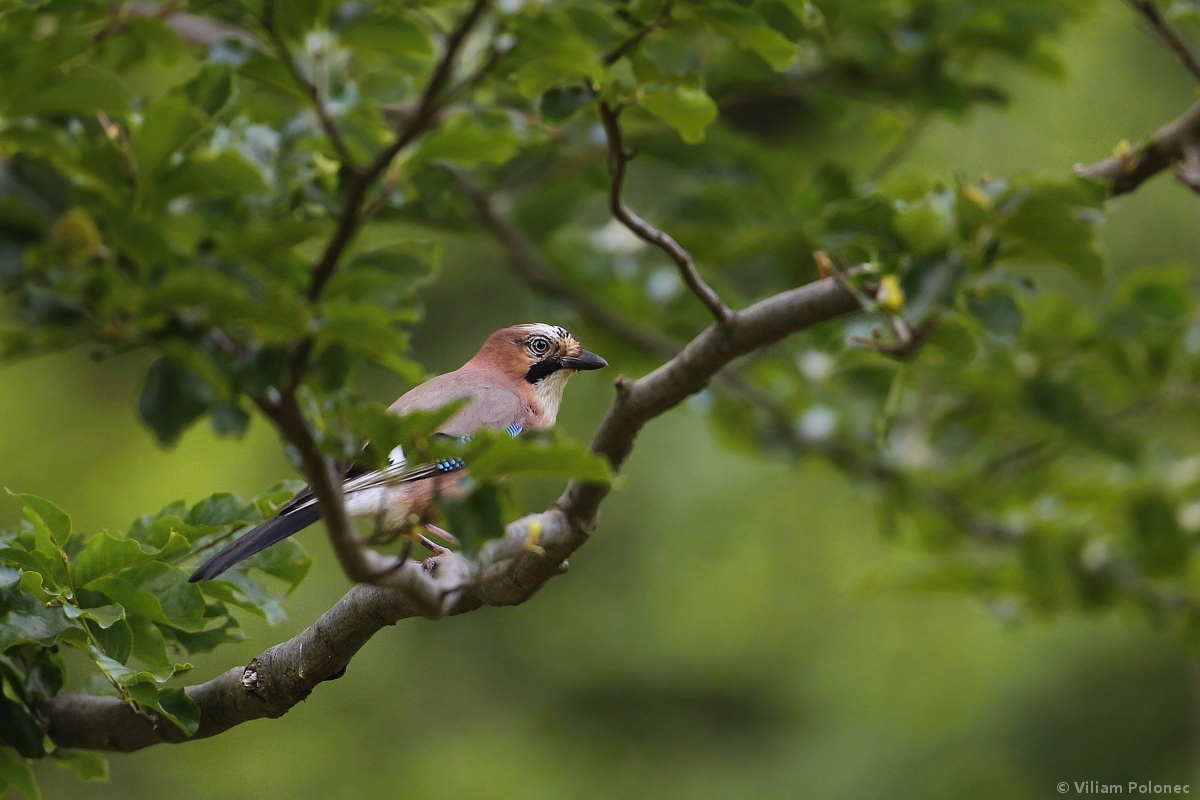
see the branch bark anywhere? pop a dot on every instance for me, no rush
(509, 571)
(1170, 145)
(360, 563)
(1163, 31)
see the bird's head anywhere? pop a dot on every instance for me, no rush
(536, 352)
(541, 357)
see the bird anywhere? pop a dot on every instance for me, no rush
(514, 383)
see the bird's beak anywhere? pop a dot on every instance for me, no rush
(585, 360)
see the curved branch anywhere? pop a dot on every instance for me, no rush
(618, 161)
(532, 268)
(314, 95)
(509, 570)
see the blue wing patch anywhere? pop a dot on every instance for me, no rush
(515, 429)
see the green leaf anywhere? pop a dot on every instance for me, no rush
(926, 226)
(297, 17)
(1056, 222)
(748, 30)
(32, 621)
(998, 310)
(479, 517)
(103, 616)
(688, 110)
(127, 676)
(212, 175)
(180, 708)
(806, 12)
(159, 592)
(211, 89)
(954, 340)
(104, 554)
(1159, 545)
(56, 520)
(148, 642)
(562, 458)
(82, 90)
(284, 560)
(173, 397)
(553, 53)
(470, 141)
(166, 127)
(31, 583)
(371, 331)
(116, 640)
(86, 765)
(19, 727)
(15, 772)
(387, 35)
(224, 508)
(142, 685)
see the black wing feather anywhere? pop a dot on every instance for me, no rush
(257, 540)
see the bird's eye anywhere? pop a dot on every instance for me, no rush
(539, 345)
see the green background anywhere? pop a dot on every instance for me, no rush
(719, 637)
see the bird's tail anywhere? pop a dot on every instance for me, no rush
(257, 540)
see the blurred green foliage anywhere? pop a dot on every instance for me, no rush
(164, 195)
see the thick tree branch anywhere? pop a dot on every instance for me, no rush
(1170, 145)
(509, 570)
(618, 161)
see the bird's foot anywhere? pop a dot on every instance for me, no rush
(431, 545)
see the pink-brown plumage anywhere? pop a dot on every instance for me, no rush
(516, 379)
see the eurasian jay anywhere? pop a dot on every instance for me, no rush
(514, 383)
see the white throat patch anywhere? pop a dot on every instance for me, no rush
(549, 392)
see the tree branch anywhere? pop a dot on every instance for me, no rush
(314, 94)
(532, 268)
(358, 561)
(900, 149)
(1163, 31)
(1171, 144)
(509, 572)
(661, 21)
(425, 112)
(618, 161)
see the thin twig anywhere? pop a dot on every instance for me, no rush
(426, 109)
(1163, 31)
(532, 267)
(661, 21)
(289, 62)
(900, 149)
(618, 161)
